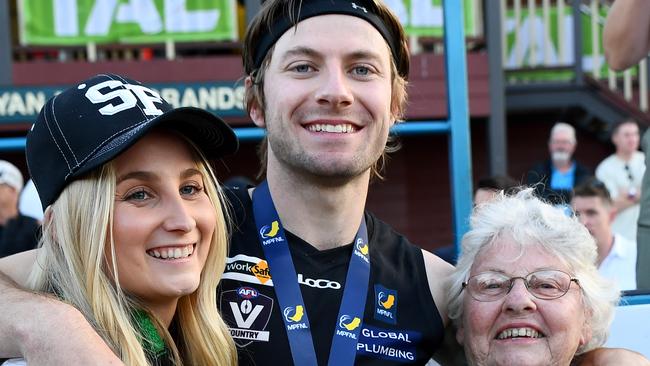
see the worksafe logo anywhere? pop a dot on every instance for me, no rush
(248, 269)
(385, 304)
(261, 271)
(347, 326)
(268, 233)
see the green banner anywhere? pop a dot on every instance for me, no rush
(531, 37)
(425, 17)
(76, 22)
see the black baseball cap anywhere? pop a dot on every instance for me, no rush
(91, 123)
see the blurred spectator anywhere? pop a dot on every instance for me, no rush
(488, 188)
(616, 254)
(17, 232)
(626, 39)
(555, 178)
(29, 204)
(622, 173)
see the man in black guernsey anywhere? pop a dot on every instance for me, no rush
(311, 278)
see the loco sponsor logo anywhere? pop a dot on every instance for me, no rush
(347, 325)
(247, 312)
(389, 344)
(385, 304)
(294, 315)
(268, 233)
(361, 250)
(318, 283)
(248, 269)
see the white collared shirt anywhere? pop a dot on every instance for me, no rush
(620, 263)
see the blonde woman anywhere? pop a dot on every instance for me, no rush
(134, 233)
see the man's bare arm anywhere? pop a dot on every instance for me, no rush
(41, 329)
(626, 36)
(438, 272)
(612, 357)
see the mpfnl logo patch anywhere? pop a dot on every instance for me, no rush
(361, 250)
(268, 233)
(385, 304)
(347, 325)
(294, 315)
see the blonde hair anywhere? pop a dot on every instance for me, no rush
(72, 265)
(254, 93)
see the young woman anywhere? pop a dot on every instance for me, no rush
(134, 232)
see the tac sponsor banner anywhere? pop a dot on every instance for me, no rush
(527, 46)
(225, 99)
(77, 22)
(425, 17)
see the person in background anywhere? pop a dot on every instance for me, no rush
(555, 178)
(626, 39)
(488, 188)
(18, 232)
(29, 204)
(525, 290)
(622, 173)
(616, 258)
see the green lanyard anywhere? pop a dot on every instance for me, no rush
(152, 342)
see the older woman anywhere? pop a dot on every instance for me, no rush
(526, 290)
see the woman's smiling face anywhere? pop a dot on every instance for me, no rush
(163, 220)
(520, 329)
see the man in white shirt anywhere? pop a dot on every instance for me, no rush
(616, 254)
(622, 173)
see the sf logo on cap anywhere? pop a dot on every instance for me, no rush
(129, 94)
(355, 6)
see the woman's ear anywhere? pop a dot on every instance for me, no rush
(586, 333)
(48, 219)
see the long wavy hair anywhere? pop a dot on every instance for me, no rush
(72, 264)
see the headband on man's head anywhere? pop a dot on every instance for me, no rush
(311, 8)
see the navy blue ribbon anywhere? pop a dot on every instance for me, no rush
(287, 289)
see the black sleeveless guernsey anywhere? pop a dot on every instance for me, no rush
(401, 323)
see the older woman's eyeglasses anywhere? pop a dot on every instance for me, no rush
(546, 285)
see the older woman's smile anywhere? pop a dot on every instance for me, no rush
(523, 332)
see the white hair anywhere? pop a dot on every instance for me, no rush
(564, 127)
(531, 222)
